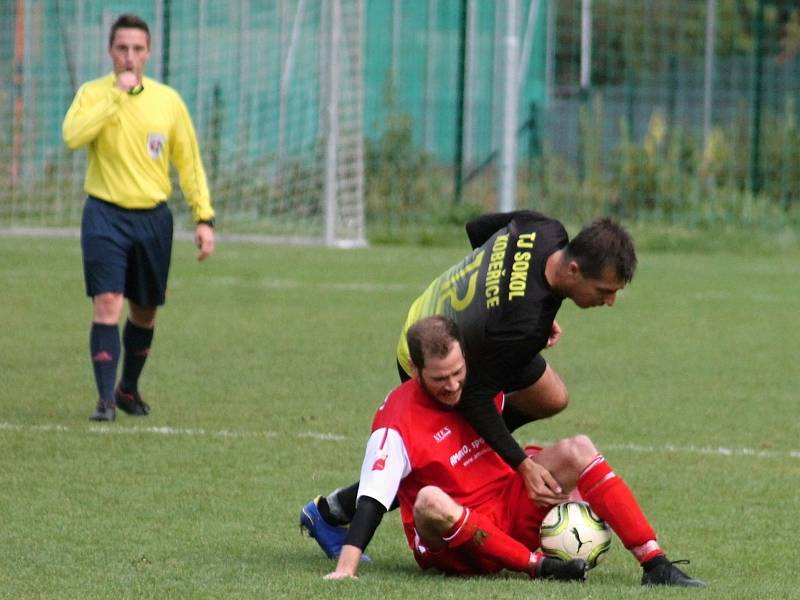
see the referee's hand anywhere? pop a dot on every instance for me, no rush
(127, 80)
(204, 240)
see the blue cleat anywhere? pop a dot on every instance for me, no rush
(329, 537)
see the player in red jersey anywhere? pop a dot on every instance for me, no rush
(504, 297)
(464, 510)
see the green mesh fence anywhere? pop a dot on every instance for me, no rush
(689, 114)
(679, 112)
(268, 85)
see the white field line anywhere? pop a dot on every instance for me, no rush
(704, 450)
(112, 429)
(719, 450)
(333, 437)
(328, 437)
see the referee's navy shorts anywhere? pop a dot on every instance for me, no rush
(126, 251)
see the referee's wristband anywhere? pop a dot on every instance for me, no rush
(209, 222)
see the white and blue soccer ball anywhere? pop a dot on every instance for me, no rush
(572, 530)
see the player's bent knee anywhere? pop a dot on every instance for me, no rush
(581, 450)
(562, 400)
(552, 394)
(575, 453)
(556, 401)
(540, 401)
(428, 499)
(434, 505)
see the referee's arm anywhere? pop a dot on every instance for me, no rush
(185, 155)
(88, 114)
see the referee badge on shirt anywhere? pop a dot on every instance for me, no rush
(155, 144)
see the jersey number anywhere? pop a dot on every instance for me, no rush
(449, 289)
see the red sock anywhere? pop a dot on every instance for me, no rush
(482, 537)
(614, 502)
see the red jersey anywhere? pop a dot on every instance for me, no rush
(417, 441)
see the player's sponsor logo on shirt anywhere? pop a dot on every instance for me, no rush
(155, 144)
(495, 271)
(519, 270)
(466, 450)
(380, 462)
(440, 435)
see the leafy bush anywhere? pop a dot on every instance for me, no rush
(665, 182)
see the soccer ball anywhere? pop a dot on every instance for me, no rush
(571, 530)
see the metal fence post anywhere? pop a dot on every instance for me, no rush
(508, 147)
(755, 139)
(708, 78)
(462, 49)
(332, 122)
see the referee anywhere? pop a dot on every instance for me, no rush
(133, 127)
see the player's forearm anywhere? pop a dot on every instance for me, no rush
(483, 416)
(348, 560)
(369, 513)
(368, 516)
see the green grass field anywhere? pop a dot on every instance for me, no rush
(267, 365)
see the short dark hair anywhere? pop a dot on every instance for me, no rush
(128, 21)
(431, 337)
(601, 244)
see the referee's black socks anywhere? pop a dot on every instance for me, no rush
(104, 349)
(136, 341)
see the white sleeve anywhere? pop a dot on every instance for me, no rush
(385, 464)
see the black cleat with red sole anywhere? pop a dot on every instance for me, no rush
(131, 403)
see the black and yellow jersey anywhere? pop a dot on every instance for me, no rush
(504, 308)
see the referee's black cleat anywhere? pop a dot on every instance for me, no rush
(104, 411)
(662, 571)
(131, 403)
(561, 570)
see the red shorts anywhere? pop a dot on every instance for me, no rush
(510, 511)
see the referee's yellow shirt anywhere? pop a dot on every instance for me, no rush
(131, 140)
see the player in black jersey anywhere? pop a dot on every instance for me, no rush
(504, 296)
